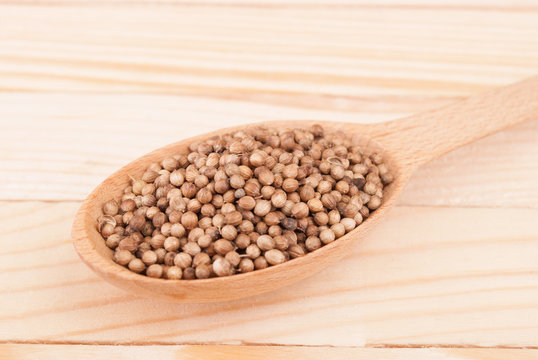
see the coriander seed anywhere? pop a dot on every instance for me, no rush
(110, 208)
(191, 248)
(113, 241)
(154, 271)
(338, 230)
(128, 244)
(123, 257)
(253, 251)
(189, 273)
(312, 243)
(160, 255)
(169, 258)
(171, 243)
(295, 251)
(370, 188)
(315, 205)
(327, 236)
(374, 202)
(183, 260)
(202, 271)
(189, 220)
(300, 210)
(242, 241)
(290, 185)
(247, 203)
(233, 258)
(228, 232)
(223, 246)
(201, 259)
(136, 265)
(149, 257)
(262, 207)
(174, 273)
(265, 242)
(222, 267)
(260, 263)
(246, 265)
(281, 242)
(279, 198)
(349, 224)
(275, 257)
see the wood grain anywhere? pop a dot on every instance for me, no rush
(214, 352)
(327, 57)
(426, 276)
(81, 83)
(220, 67)
(71, 149)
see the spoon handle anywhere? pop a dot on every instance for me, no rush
(420, 138)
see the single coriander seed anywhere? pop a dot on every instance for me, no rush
(183, 260)
(174, 273)
(154, 271)
(222, 267)
(149, 257)
(123, 257)
(327, 236)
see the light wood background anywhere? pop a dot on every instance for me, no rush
(87, 86)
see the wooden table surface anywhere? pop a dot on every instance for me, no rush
(85, 87)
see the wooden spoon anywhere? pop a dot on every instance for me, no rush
(406, 144)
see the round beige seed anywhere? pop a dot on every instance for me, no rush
(191, 248)
(312, 243)
(228, 232)
(136, 265)
(174, 273)
(246, 265)
(253, 251)
(247, 203)
(154, 271)
(300, 210)
(349, 224)
(223, 246)
(275, 257)
(338, 230)
(110, 208)
(183, 260)
(326, 236)
(123, 257)
(171, 243)
(149, 257)
(265, 242)
(222, 267)
(203, 271)
(262, 208)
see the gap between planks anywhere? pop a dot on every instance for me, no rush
(515, 6)
(254, 344)
(262, 352)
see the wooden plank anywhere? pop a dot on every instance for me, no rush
(209, 352)
(426, 276)
(220, 68)
(516, 5)
(63, 145)
(319, 53)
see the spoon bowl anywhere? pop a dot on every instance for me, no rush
(405, 145)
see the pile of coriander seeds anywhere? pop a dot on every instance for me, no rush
(241, 202)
